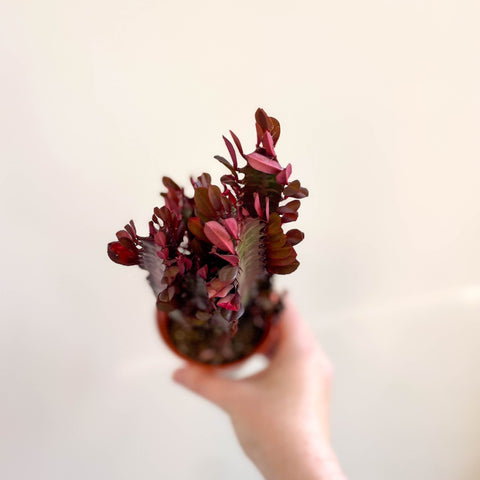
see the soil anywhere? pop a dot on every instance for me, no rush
(215, 346)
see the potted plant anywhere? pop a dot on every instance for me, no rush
(211, 257)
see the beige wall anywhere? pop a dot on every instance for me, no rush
(379, 104)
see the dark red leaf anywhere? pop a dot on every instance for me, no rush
(122, 255)
(196, 228)
(295, 190)
(283, 270)
(259, 134)
(231, 150)
(169, 183)
(275, 131)
(203, 206)
(225, 162)
(290, 207)
(294, 236)
(263, 119)
(237, 143)
(215, 197)
(289, 217)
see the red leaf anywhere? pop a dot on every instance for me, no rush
(283, 176)
(217, 234)
(267, 142)
(232, 259)
(232, 226)
(263, 164)
(256, 202)
(231, 150)
(202, 272)
(160, 239)
(237, 143)
(230, 302)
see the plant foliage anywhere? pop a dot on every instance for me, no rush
(211, 256)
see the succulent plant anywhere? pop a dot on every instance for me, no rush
(211, 257)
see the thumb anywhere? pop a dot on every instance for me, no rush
(206, 383)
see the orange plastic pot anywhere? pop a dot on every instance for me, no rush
(265, 344)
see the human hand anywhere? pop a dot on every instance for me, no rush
(281, 414)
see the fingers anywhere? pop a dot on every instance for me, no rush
(206, 383)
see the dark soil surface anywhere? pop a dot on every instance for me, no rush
(216, 346)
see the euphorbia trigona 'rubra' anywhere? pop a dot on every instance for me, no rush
(211, 257)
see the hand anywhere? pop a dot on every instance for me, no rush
(280, 415)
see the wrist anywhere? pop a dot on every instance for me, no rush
(308, 462)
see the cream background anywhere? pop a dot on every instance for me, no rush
(379, 106)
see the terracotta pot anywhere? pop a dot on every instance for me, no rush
(264, 345)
